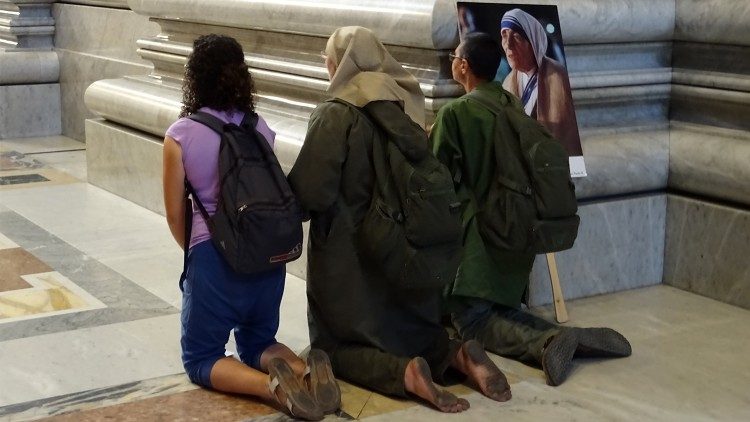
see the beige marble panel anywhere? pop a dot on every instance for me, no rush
(125, 162)
(95, 43)
(77, 72)
(707, 248)
(101, 31)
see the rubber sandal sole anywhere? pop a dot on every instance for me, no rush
(323, 386)
(557, 359)
(602, 342)
(298, 401)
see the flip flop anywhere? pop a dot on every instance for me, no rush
(298, 401)
(323, 386)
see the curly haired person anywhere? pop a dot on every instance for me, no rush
(216, 300)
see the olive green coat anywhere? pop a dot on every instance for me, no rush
(462, 139)
(349, 302)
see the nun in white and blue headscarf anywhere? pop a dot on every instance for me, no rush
(542, 86)
(530, 29)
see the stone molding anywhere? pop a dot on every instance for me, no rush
(620, 57)
(120, 4)
(26, 24)
(713, 21)
(24, 67)
(417, 23)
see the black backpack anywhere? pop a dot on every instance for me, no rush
(531, 206)
(412, 232)
(258, 221)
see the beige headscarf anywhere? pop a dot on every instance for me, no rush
(366, 72)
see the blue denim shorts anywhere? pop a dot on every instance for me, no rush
(215, 301)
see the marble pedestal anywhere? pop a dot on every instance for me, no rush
(29, 70)
(620, 246)
(29, 110)
(707, 249)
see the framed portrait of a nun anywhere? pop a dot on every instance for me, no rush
(533, 67)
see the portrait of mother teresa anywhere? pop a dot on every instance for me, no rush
(540, 82)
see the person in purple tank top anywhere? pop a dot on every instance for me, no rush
(216, 300)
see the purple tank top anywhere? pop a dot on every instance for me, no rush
(200, 157)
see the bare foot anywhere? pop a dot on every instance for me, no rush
(473, 361)
(418, 381)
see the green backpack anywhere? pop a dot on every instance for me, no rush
(412, 232)
(531, 206)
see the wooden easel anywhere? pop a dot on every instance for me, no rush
(561, 313)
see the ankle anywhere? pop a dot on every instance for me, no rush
(409, 378)
(459, 360)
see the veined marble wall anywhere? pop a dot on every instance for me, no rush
(29, 70)
(707, 232)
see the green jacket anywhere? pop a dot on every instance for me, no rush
(348, 300)
(462, 139)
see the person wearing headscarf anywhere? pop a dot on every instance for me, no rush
(540, 82)
(377, 336)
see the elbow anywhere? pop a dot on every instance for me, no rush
(174, 218)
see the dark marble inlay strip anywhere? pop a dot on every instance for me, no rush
(55, 151)
(22, 178)
(99, 397)
(167, 398)
(171, 397)
(125, 300)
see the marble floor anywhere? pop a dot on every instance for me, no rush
(89, 325)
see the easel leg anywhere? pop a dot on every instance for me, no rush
(561, 314)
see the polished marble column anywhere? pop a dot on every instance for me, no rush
(29, 70)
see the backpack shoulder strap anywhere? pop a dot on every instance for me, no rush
(250, 121)
(496, 106)
(493, 103)
(214, 123)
